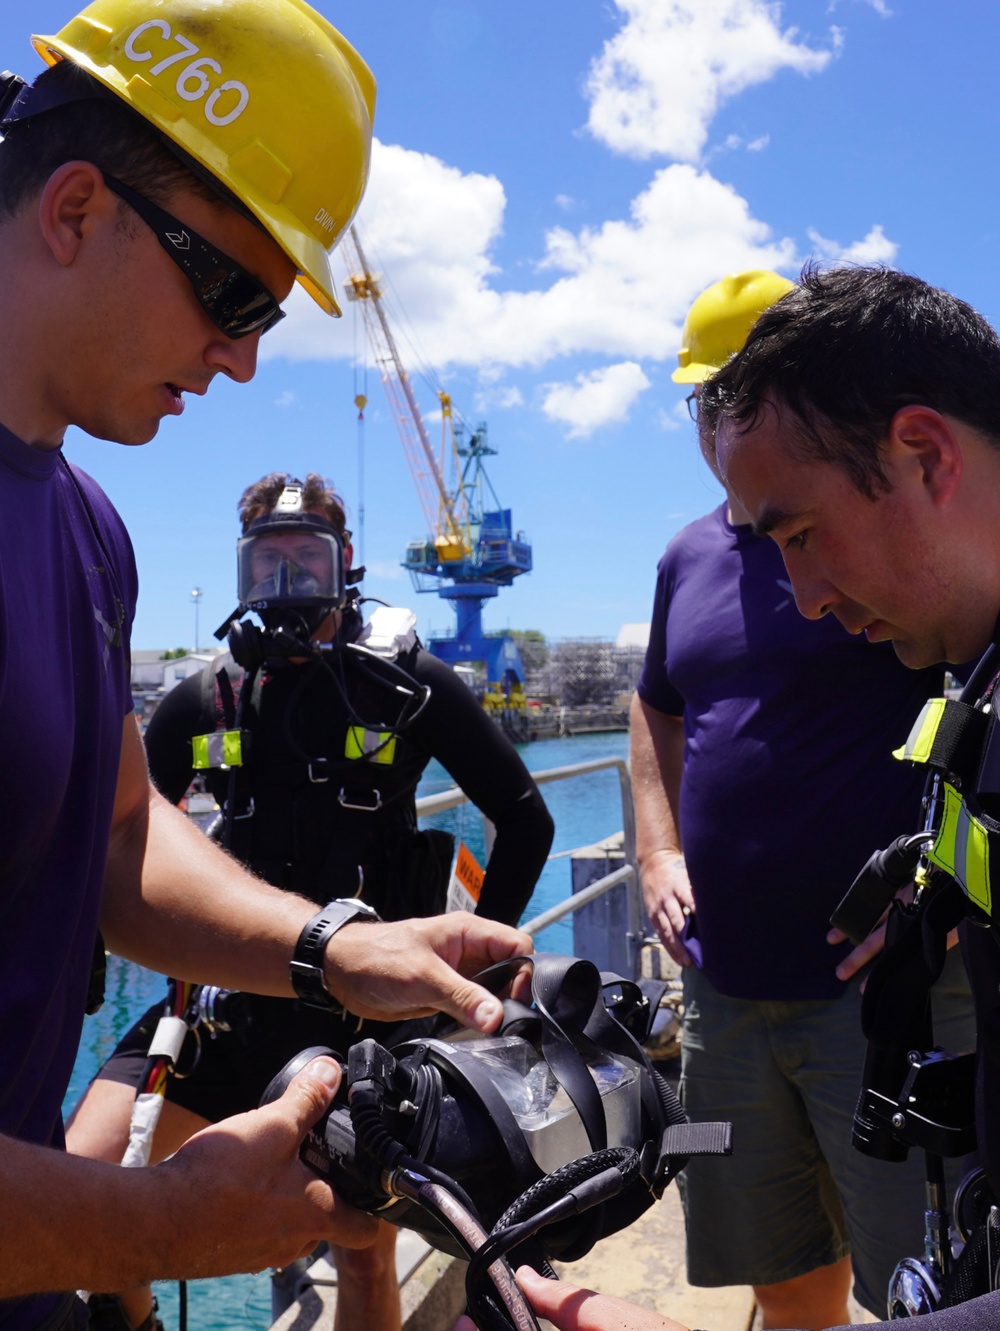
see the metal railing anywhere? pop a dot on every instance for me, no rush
(626, 876)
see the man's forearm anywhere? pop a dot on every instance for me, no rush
(176, 903)
(235, 1197)
(656, 753)
(52, 1199)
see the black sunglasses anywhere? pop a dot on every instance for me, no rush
(235, 301)
(692, 406)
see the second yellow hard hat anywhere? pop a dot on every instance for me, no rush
(719, 321)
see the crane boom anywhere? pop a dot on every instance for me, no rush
(441, 511)
(474, 550)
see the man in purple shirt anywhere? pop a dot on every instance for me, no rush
(763, 778)
(860, 429)
(158, 197)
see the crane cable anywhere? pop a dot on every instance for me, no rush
(360, 401)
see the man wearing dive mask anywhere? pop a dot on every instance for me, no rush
(315, 811)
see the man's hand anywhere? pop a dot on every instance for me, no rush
(869, 947)
(572, 1309)
(669, 900)
(416, 967)
(234, 1198)
(253, 1203)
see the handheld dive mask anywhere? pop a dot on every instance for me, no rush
(557, 1129)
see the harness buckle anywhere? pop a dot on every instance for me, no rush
(345, 803)
(318, 780)
(241, 817)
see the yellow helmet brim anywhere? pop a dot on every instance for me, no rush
(296, 154)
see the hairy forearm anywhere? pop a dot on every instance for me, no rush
(235, 1197)
(656, 753)
(176, 903)
(51, 1200)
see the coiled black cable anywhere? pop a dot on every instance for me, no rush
(573, 1188)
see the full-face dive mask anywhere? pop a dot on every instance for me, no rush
(542, 1138)
(290, 571)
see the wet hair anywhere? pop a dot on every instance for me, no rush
(845, 350)
(99, 128)
(259, 499)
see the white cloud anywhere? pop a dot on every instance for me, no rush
(600, 397)
(285, 399)
(660, 80)
(620, 289)
(876, 247)
(879, 6)
(388, 570)
(670, 421)
(502, 397)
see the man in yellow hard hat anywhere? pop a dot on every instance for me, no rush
(751, 731)
(162, 185)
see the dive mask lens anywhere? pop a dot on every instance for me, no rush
(290, 568)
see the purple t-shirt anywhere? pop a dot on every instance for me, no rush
(67, 600)
(789, 783)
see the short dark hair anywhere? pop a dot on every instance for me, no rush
(259, 499)
(845, 350)
(100, 129)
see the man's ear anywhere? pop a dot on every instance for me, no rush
(73, 199)
(348, 556)
(922, 445)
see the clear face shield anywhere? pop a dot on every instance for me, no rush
(290, 566)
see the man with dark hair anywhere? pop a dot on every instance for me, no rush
(739, 702)
(120, 297)
(860, 430)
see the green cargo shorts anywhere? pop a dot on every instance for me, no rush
(795, 1195)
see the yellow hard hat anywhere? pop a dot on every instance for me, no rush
(719, 321)
(265, 94)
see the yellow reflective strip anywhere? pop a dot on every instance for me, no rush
(942, 853)
(223, 748)
(360, 743)
(388, 753)
(976, 877)
(917, 748)
(962, 850)
(232, 748)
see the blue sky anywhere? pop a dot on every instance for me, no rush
(552, 185)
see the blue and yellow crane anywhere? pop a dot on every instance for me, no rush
(471, 549)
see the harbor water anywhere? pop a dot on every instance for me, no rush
(585, 809)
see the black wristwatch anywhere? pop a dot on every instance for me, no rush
(306, 966)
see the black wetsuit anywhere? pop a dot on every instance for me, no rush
(292, 828)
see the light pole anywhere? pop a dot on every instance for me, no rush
(196, 595)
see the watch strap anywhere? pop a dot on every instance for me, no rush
(305, 970)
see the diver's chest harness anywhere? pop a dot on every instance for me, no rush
(960, 745)
(326, 734)
(914, 1093)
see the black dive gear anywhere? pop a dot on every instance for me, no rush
(913, 1093)
(867, 898)
(321, 780)
(558, 1124)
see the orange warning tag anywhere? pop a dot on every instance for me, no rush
(466, 880)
